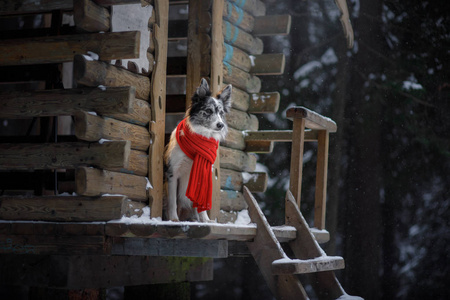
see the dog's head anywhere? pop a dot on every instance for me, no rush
(206, 115)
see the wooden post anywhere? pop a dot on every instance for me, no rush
(321, 179)
(158, 101)
(298, 138)
(216, 86)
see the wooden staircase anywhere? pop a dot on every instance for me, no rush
(278, 269)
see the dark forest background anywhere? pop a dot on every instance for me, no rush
(388, 183)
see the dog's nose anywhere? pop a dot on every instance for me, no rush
(220, 125)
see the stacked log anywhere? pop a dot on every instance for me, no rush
(108, 157)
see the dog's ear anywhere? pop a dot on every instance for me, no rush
(225, 97)
(202, 91)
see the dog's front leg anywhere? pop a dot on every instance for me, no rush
(172, 199)
(203, 216)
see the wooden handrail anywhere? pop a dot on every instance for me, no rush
(313, 120)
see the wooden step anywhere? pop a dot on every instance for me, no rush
(299, 266)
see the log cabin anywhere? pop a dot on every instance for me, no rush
(86, 106)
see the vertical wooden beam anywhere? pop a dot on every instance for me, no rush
(298, 139)
(216, 86)
(321, 179)
(158, 102)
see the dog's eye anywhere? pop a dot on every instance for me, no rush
(209, 111)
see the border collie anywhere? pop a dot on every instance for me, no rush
(206, 118)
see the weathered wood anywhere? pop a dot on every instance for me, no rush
(232, 201)
(241, 79)
(138, 164)
(65, 102)
(268, 64)
(239, 38)
(158, 101)
(90, 16)
(95, 73)
(92, 128)
(67, 208)
(259, 146)
(240, 99)
(124, 2)
(139, 114)
(234, 180)
(297, 266)
(313, 120)
(265, 249)
(321, 180)
(52, 228)
(216, 86)
(254, 7)
(242, 121)
(304, 247)
(265, 102)
(95, 182)
(227, 217)
(58, 49)
(237, 160)
(10, 7)
(234, 139)
(237, 16)
(236, 57)
(278, 135)
(64, 155)
(296, 169)
(272, 25)
(170, 247)
(78, 272)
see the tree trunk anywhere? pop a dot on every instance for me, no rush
(363, 216)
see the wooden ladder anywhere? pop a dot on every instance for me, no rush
(279, 270)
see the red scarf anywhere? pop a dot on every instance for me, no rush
(203, 152)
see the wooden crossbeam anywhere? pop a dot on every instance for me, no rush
(272, 25)
(312, 119)
(58, 49)
(64, 155)
(139, 114)
(46, 103)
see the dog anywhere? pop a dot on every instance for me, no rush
(205, 118)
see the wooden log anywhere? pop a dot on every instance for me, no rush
(93, 128)
(237, 16)
(95, 182)
(240, 99)
(239, 38)
(67, 208)
(137, 164)
(158, 115)
(259, 147)
(64, 155)
(10, 7)
(265, 102)
(254, 7)
(236, 57)
(46, 103)
(124, 2)
(226, 217)
(232, 201)
(95, 73)
(241, 79)
(233, 180)
(139, 114)
(320, 203)
(272, 25)
(234, 139)
(269, 64)
(237, 160)
(58, 49)
(312, 119)
(90, 16)
(242, 121)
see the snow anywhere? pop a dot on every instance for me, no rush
(247, 177)
(101, 141)
(306, 69)
(102, 87)
(348, 297)
(143, 219)
(408, 85)
(243, 218)
(149, 185)
(252, 60)
(329, 57)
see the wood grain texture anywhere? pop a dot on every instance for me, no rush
(241, 39)
(272, 25)
(237, 160)
(241, 79)
(234, 139)
(91, 17)
(313, 120)
(64, 155)
(58, 49)
(95, 182)
(139, 114)
(268, 64)
(65, 102)
(237, 16)
(241, 120)
(254, 7)
(320, 206)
